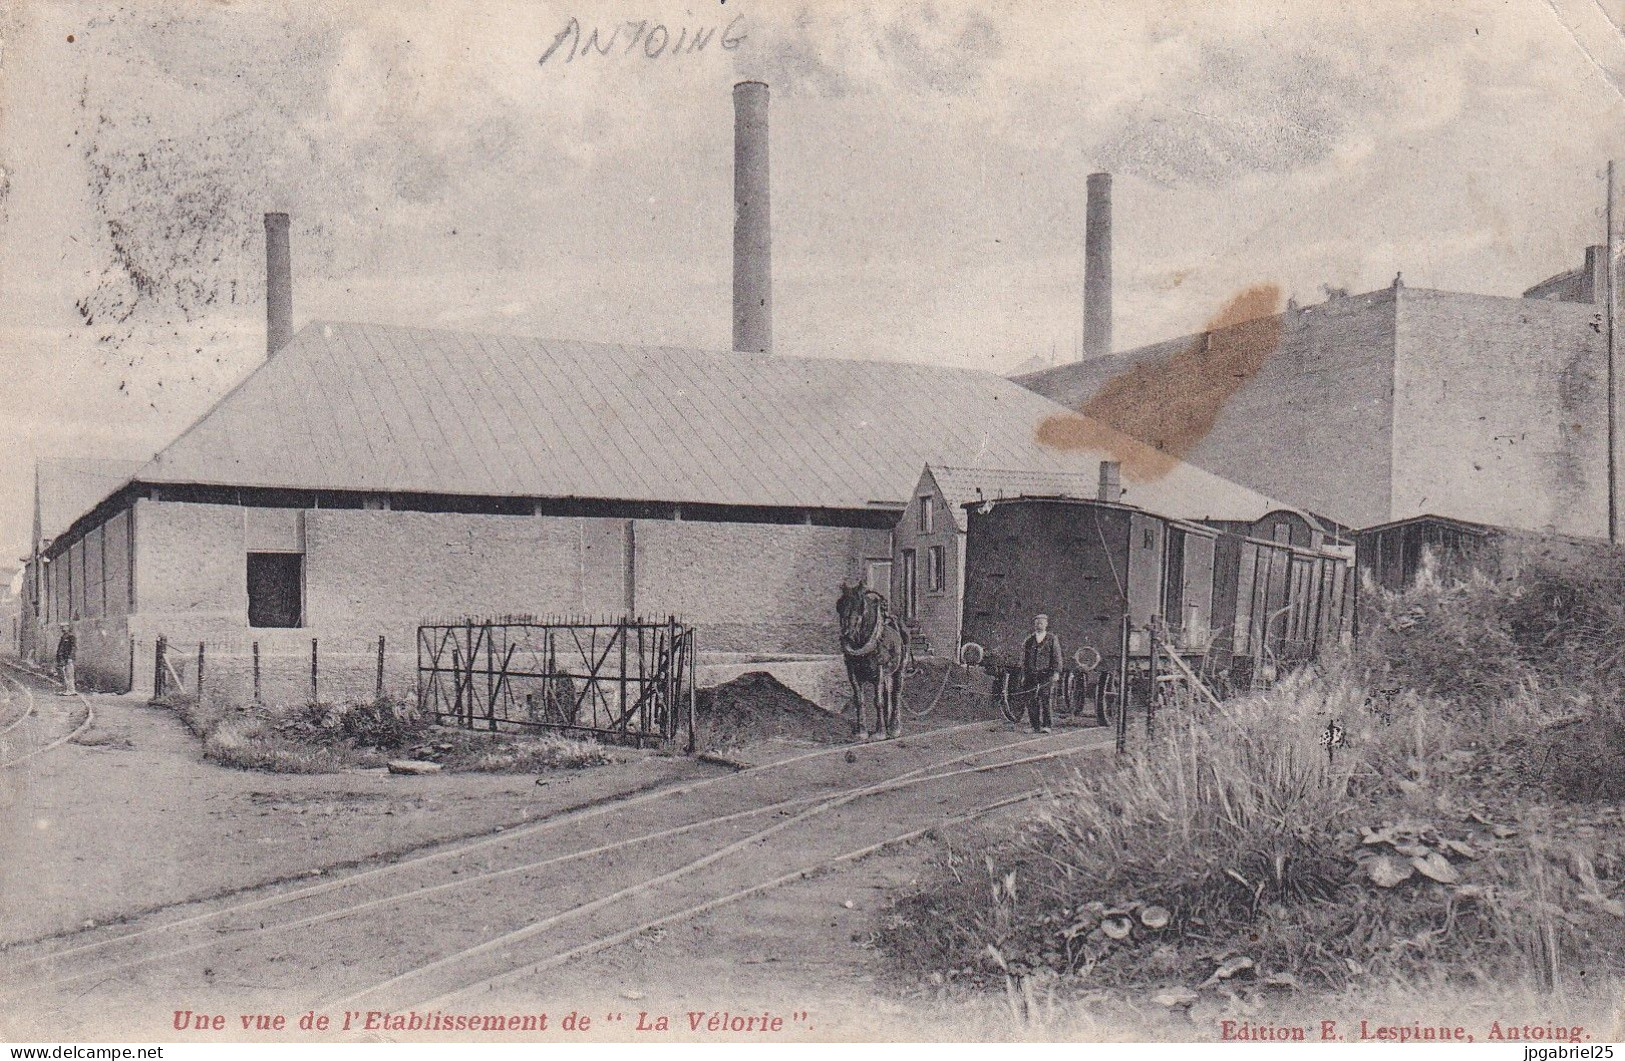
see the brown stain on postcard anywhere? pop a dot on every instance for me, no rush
(1151, 415)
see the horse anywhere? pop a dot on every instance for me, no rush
(876, 651)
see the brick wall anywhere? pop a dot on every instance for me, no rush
(103, 629)
(190, 564)
(384, 572)
(88, 589)
(749, 587)
(1311, 427)
(937, 611)
(752, 587)
(1501, 412)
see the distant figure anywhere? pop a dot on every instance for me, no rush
(66, 647)
(1040, 673)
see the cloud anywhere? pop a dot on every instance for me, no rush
(1225, 110)
(838, 50)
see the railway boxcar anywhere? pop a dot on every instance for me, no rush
(1110, 577)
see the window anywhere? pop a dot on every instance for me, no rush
(275, 589)
(907, 587)
(925, 513)
(936, 569)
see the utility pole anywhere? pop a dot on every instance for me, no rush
(1612, 276)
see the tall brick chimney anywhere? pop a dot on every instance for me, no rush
(753, 241)
(278, 284)
(1097, 268)
(1111, 481)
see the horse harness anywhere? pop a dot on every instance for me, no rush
(881, 621)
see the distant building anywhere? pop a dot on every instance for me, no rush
(66, 488)
(1376, 407)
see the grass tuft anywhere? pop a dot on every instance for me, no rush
(1461, 833)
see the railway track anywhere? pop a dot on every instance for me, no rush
(463, 873)
(494, 948)
(31, 711)
(450, 851)
(514, 977)
(13, 709)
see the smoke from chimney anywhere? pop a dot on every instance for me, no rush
(753, 243)
(1097, 268)
(278, 284)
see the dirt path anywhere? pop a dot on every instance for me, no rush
(138, 820)
(523, 917)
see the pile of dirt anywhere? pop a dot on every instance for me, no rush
(944, 691)
(755, 707)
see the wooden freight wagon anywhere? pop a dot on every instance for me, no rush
(1232, 607)
(1088, 565)
(1274, 604)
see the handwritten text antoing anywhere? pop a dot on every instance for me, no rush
(642, 37)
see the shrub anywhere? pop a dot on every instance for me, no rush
(383, 723)
(1235, 836)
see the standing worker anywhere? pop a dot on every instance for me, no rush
(66, 646)
(1040, 673)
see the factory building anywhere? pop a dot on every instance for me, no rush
(1381, 406)
(367, 478)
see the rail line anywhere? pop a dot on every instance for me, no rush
(900, 781)
(906, 779)
(28, 709)
(90, 720)
(460, 848)
(615, 938)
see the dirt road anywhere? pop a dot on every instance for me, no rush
(537, 917)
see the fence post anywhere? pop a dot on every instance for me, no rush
(256, 672)
(313, 684)
(457, 686)
(668, 724)
(1151, 697)
(1122, 687)
(378, 689)
(693, 682)
(200, 674)
(158, 648)
(490, 676)
(130, 685)
(623, 679)
(418, 662)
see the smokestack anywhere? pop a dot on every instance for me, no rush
(753, 243)
(278, 284)
(1097, 268)
(1111, 481)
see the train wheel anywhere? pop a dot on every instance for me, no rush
(1079, 693)
(1108, 698)
(1001, 693)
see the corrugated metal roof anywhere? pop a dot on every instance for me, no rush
(1186, 492)
(369, 407)
(69, 487)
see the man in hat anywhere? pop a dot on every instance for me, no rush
(1040, 673)
(66, 647)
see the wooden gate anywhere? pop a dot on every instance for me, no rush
(627, 680)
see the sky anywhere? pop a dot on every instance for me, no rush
(928, 168)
